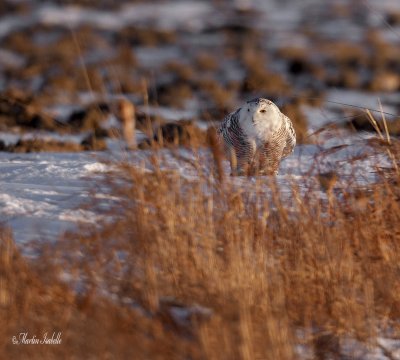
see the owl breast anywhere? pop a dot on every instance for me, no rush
(256, 147)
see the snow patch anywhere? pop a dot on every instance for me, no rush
(79, 216)
(96, 167)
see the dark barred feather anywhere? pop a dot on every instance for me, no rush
(250, 159)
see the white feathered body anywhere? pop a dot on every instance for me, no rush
(256, 137)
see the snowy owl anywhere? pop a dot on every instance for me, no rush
(256, 137)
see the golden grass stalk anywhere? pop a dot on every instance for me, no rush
(205, 269)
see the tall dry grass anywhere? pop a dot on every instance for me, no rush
(203, 269)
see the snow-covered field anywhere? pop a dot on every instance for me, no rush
(41, 194)
(44, 194)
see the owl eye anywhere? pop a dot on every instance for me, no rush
(263, 110)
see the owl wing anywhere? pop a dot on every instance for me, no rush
(230, 121)
(235, 141)
(290, 137)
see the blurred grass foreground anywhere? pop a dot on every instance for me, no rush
(201, 269)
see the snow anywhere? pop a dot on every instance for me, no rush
(41, 194)
(10, 59)
(282, 17)
(44, 194)
(188, 15)
(339, 99)
(96, 167)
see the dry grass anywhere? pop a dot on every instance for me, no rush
(252, 276)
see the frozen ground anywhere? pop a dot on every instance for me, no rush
(40, 194)
(45, 194)
(191, 15)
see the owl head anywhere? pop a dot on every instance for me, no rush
(260, 116)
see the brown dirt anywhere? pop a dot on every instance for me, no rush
(360, 121)
(39, 145)
(182, 133)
